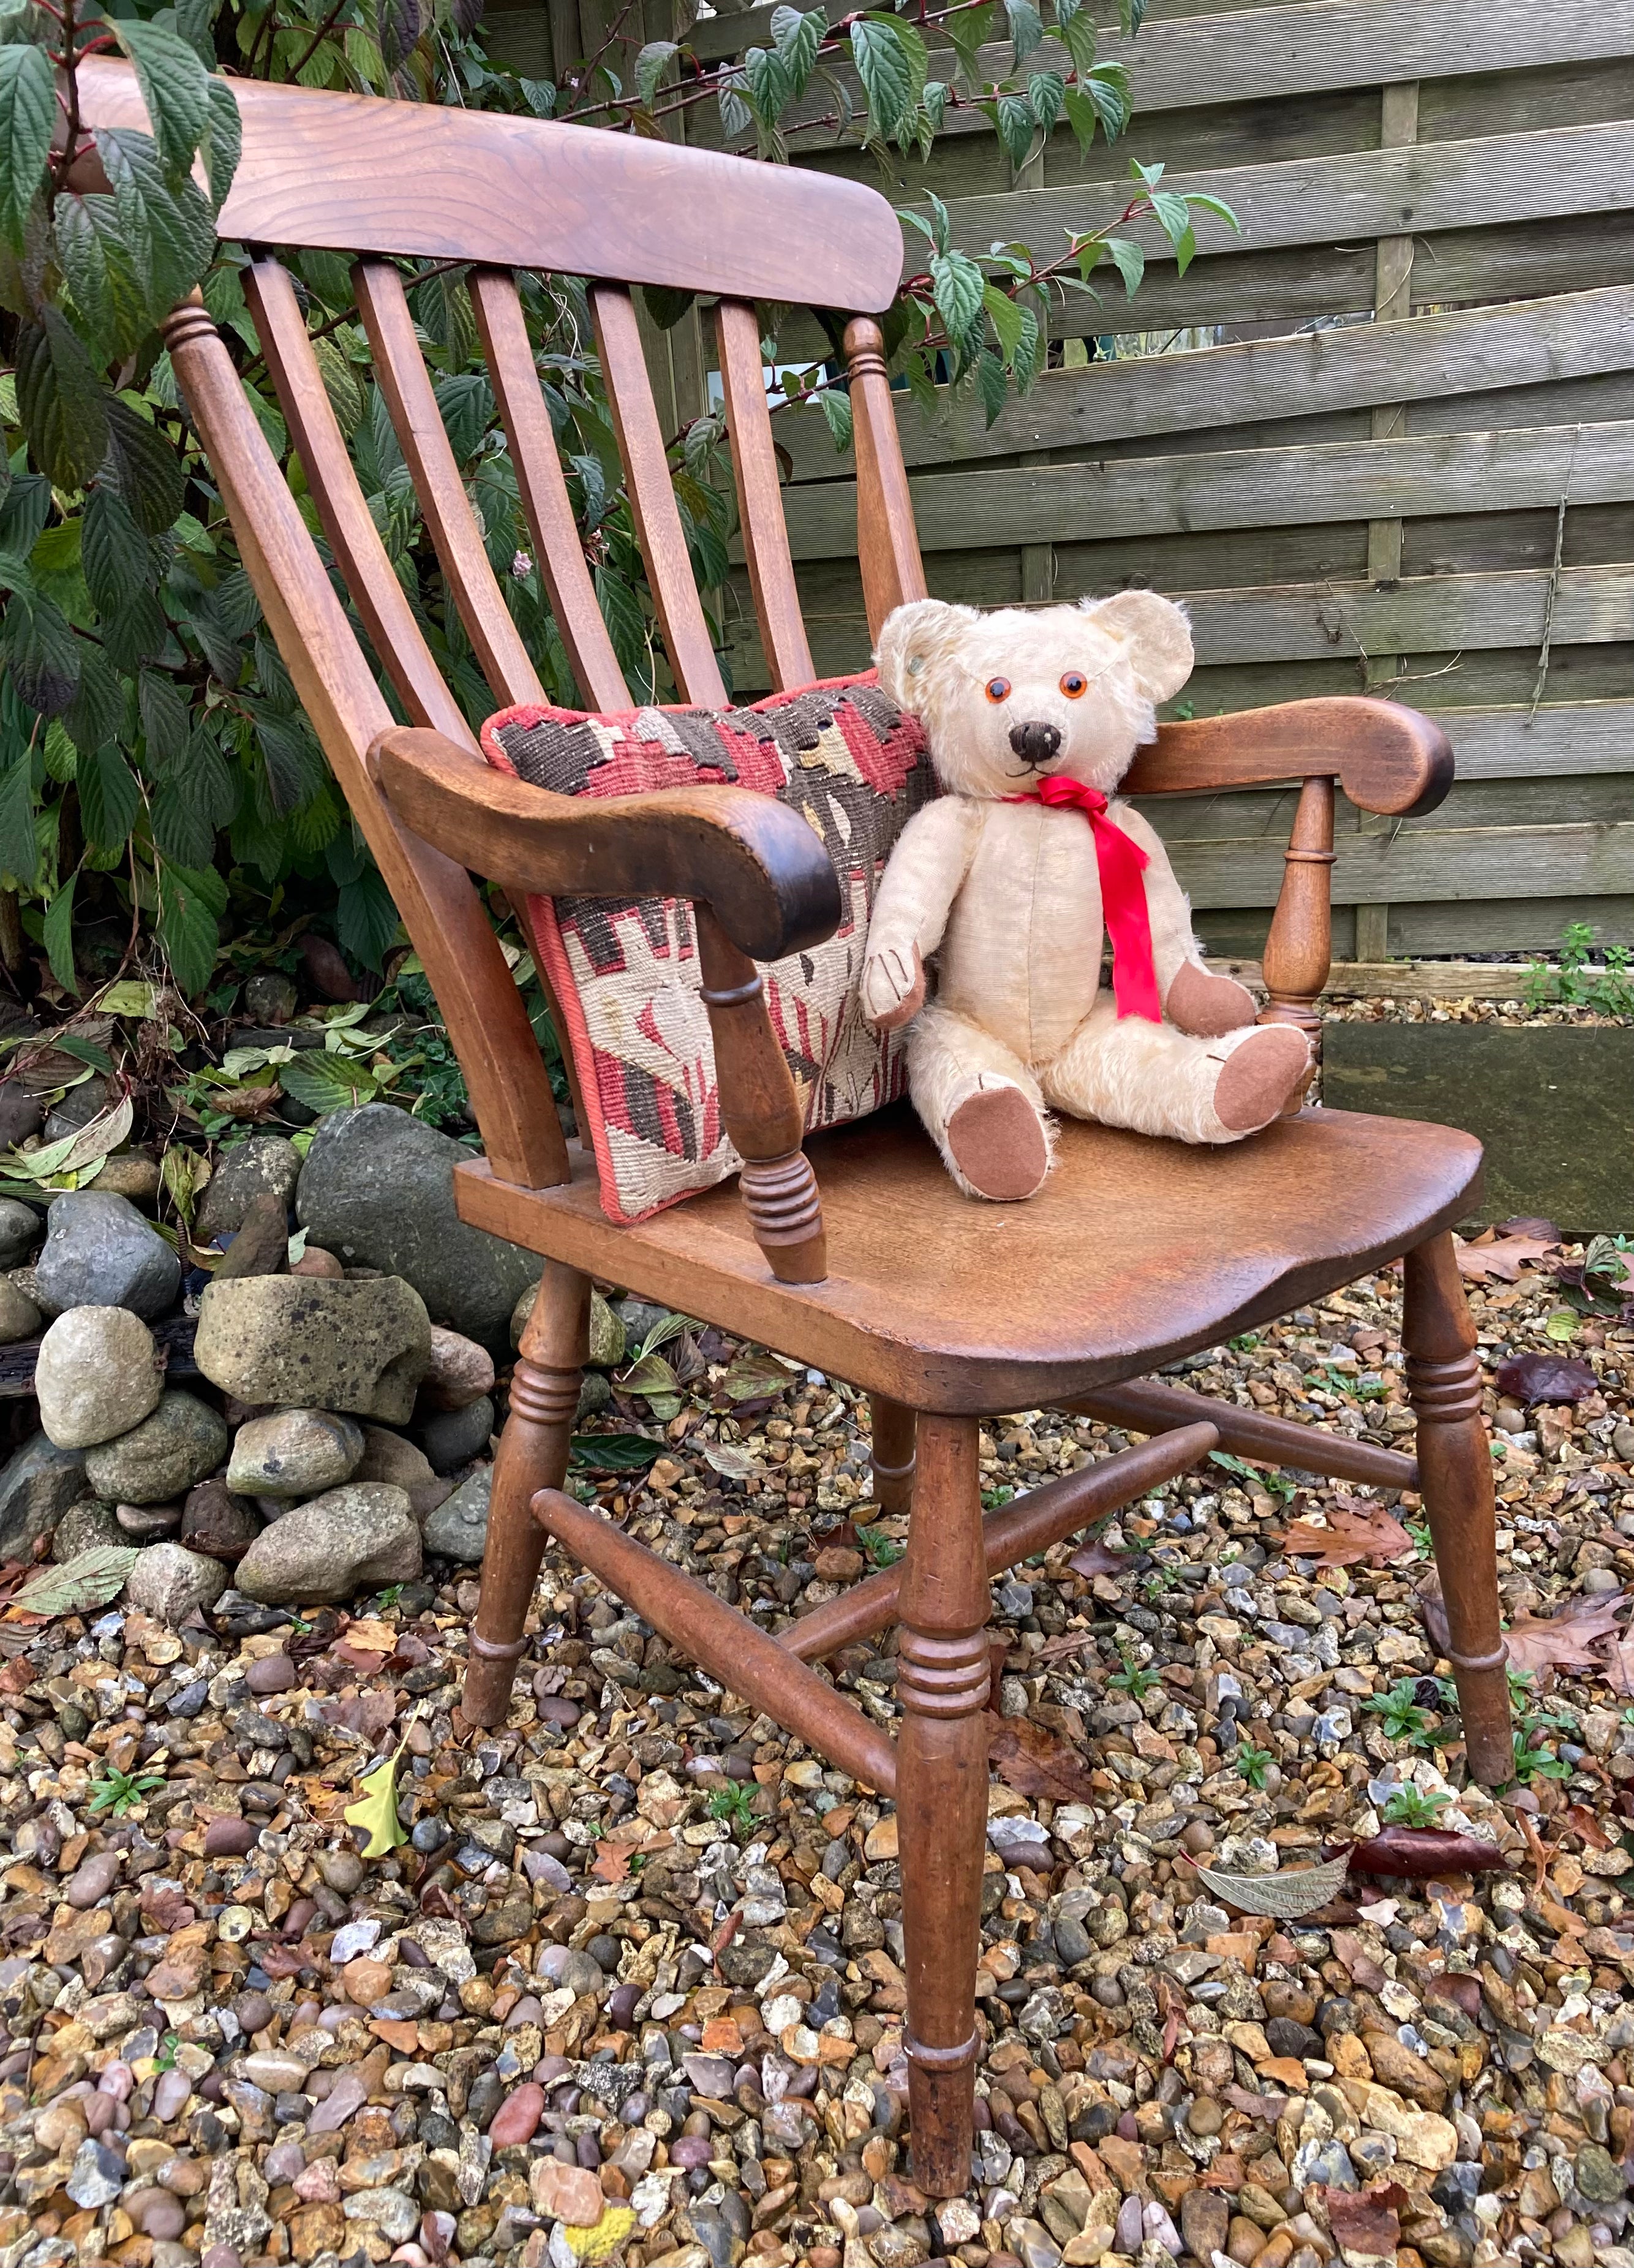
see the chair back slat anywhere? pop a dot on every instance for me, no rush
(652, 500)
(542, 485)
(401, 373)
(503, 1071)
(887, 546)
(759, 497)
(354, 539)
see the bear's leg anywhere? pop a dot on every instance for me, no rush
(981, 1106)
(1124, 1072)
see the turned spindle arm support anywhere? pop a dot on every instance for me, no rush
(762, 884)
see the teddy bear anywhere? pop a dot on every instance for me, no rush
(1011, 876)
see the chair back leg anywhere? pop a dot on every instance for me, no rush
(892, 1427)
(533, 1456)
(1455, 1479)
(942, 1683)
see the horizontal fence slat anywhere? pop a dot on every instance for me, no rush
(1565, 738)
(1272, 52)
(1577, 335)
(1439, 473)
(1427, 865)
(1500, 177)
(1426, 615)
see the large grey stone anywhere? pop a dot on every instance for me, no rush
(86, 1526)
(168, 1581)
(310, 1343)
(294, 1453)
(458, 1529)
(387, 1456)
(37, 1484)
(351, 1539)
(266, 1165)
(163, 1457)
(378, 1190)
(453, 1437)
(101, 1253)
(21, 1228)
(98, 1374)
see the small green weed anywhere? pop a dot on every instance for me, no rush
(878, 1549)
(1415, 1806)
(118, 1791)
(1404, 1719)
(1132, 1678)
(1572, 983)
(733, 1805)
(1254, 1764)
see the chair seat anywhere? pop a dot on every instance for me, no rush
(1135, 1252)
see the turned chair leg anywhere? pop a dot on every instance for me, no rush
(941, 1796)
(533, 1456)
(1455, 1480)
(893, 1426)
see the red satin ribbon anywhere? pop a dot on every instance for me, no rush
(1122, 864)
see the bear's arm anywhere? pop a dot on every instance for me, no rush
(1194, 999)
(923, 874)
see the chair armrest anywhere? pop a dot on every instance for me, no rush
(1386, 757)
(753, 861)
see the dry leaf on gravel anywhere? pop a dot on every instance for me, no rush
(1097, 1558)
(1287, 1896)
(1356, 1531)
(90, 1580)
(375, 1810)
(1367, 2223)
(1419, 1852)
(1034, 1761)
(611, 1863)
(1546, 1378)
(1568, 1640)
(1501, 1257)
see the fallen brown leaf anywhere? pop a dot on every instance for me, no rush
(1568, 1640)
(611, 1863)
(1501, 1257)
(1034, 1761)
(1422, 1851)
(1097, 1558)
(1356, 1531)
(1366, 2221)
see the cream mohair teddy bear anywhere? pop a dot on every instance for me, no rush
(1010, 877)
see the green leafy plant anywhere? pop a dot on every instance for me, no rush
(1415, 1806)
(1533, 1763)
(1576, 982)
(1133, 1679)
(1268, 1478)
(159, 783)
(878, 1549)
(735, 1806)
(166, 2060)
(1403, 1719)
(119, 1792)
(1254, 1764)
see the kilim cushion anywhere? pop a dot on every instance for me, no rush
(624, 971)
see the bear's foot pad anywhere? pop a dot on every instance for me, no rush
(1260, 1077)
(997, 1143)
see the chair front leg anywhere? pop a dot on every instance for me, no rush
(893, 1431)
(1455, 1479)
(942, 1682)
(533, 1456)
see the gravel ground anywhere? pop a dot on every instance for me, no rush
(631, 1987)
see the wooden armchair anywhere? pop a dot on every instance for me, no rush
(858, 1255)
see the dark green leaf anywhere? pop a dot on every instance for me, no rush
(135, 633)
(116, 557)
(1171, 214)
(650, 65)
(1132, 16)
(1107, 87)
(1026, 28)
(967, 31)
(990, 383)
(164, 722)
(1218, 206)
(1046, 91)
(295, 767)
(665, 305)
(91, 248)
(614, 1452)
(957, 284)
(836, 409)
(192, 21)
(401, 22)
(182, 825)
(1129, 260)
(23, 514)
(27, 115)
(625, 618)
(98, 710)
(467, 405)
(175, 87)
(1185, 250)
(468, 16)
(208, 777)
(1077, 30)
(58, 930)
(1012, 115)
(41, 653)
(882, 48)
(190, 899)
(1026, 359)
(20, 847)
(799, 33)
(1005, 318)
(142, 465)
(366, 922)
(109, 799)
(167, 227)
(59, 398)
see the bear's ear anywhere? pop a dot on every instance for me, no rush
(1157, 635)
(913, 641)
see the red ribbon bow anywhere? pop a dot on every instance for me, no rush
(1122, 864)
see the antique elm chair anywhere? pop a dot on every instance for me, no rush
(862, 1257)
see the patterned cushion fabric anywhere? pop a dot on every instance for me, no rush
(624, 971)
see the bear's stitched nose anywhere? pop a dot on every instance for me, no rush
(1035, 743)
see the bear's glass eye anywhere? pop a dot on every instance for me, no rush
(998, 689)
(1074, 684)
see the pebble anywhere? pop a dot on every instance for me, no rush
(295, 1452)
(176, 1446)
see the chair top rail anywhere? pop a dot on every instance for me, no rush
(346, 172)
